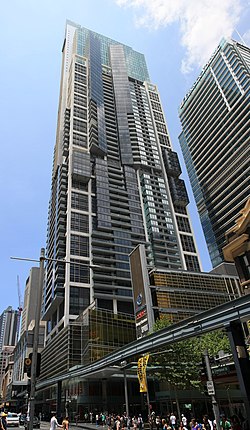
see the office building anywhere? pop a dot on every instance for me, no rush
(237, 249)
(30, 299)
(115, 182)
(9, 320)
(9, 323)
(175, 294)
(215, 117)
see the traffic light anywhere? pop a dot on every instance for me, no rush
(28, 364)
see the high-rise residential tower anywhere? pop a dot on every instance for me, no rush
(215, 117)
(30, 298)
(115, 182)
(9, 324)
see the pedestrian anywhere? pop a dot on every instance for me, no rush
(134, 422)
(54, 423)
(207, 423)
(172, 420)
(164, 424)
(235, 423)
(129, 422)
(3, 421)
(224, 422)
(151, 423)
(140, 422)
(184, 420)
(97, 420)
(157, 422)
(118, 423)
(182, 427)
(65, 423)
(194, 424)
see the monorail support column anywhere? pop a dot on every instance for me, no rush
(241, 361)
(59, 401)
(104, 395)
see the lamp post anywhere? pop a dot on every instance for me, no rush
(124, 368)
(36, 340)
(211, 390)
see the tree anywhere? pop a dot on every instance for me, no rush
(180, 364)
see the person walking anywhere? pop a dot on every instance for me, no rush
(54, 423)
(173, 420)
(157, 422)
(65, 423)
(140, 422)
(3, 421)
(225, 423)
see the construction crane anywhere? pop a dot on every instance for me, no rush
(20, 306)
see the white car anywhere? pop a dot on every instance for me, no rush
(12, 419)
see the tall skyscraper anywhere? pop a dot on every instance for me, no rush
(30, 298)
(215, 117)
(9, 323)
(9, 320)
(115, 182)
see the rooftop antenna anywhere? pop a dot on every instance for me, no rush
(20, 305)
(241, 38)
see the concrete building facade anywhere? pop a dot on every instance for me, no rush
(115, 182)
(215, 117)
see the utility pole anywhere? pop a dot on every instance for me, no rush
(36, 341)
(211, 390)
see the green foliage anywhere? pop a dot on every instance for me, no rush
(180, 365)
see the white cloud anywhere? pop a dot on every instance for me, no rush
(202, 23)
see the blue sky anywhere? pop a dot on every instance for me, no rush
(176, 36)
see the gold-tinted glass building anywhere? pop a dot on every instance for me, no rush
(177, 294)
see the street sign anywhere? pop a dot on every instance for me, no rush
(210, 388)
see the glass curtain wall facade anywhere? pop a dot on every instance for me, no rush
(115, 183)
(215, 117)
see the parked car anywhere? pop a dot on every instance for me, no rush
(36, 423)
(12, 419)
(22, 418)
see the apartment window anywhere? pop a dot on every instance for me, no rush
(187, 243)
(79, 300)
(79, 272)
(79, 201)
(80, 140)
(79, 245)
(80, 68)
(183, 224)
(80, 78)
(158, 116)
(80, 100)
(163, 139)
(192, 263)
(80, 112)
(161, 128)
(79, 125)
(80, 89)
(79, 185)
(79, 222)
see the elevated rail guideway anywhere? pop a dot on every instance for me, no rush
(230, 316)
(222, 316)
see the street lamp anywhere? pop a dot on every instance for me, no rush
(124, 367)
